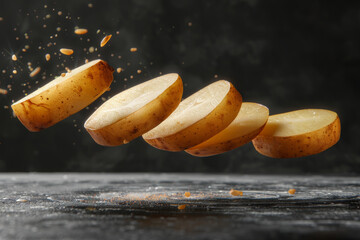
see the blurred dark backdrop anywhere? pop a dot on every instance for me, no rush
(286, 55)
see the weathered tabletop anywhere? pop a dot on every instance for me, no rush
(145, 206)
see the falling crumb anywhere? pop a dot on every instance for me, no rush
(91, 49)
(63, 74)
(133, 49)
(138, 71)
(103, 99)
(3, 91)
(182, 207)
(90, 5)
(35, 72)
(47, 57)
(58, 29)
(216, 76)
(189, 24)
(131, 76)
(14, 71)
(1, 18)
(187, 194)
(105, 40)
(235, 192)
(292, 191)
(98, 31)
(68, 69)
(48, 16)
(21, 200)
(66, 51)
(59, 13)
(80, 31)
(13, 57)
(119, 69)
(125, 141)
(86, 60)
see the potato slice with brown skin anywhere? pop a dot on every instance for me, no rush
(198, 118)
(298, 133)
(135, 111)
(249, 122)
(64, 96)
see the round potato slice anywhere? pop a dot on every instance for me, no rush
(64, 96)
(135, 111)
(298, 133)
(198, 118)
(249, 122)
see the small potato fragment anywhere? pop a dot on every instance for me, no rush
(66, 51)
(64, 96)
(249, 122)
(298, 133)
(198, 118)
(135, 111)
(80, 31)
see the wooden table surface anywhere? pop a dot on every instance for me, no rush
(145, 206)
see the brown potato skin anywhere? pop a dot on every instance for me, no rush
(141, 121)
(215, 149)
(299, 145)
(205, 128)
(64, 99)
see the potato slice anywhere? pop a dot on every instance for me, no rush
(135, 111)
(298, 133)
(198, 118)
(64, 96)
(247, 125)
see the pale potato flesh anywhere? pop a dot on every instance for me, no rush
(298, 133)
(248, 124)
(64, 96)
(135, 111)
(198, 118)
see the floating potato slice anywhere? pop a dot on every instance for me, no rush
(249, 122)
(298, 133)
(135, 111)
(198, 118)
(64, 96)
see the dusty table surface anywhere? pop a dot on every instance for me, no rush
(145, 206)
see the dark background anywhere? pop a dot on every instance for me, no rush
(286, 55)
